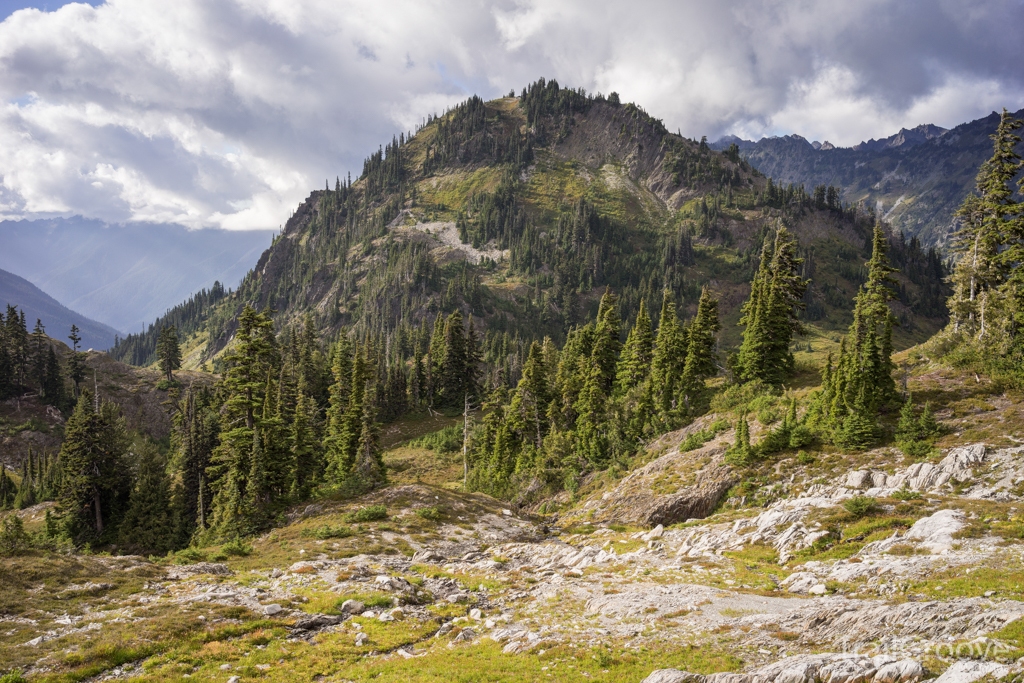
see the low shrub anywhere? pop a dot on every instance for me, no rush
(370, 513)
(326, 531)
(14, 540)
(861, 506)
(433, 513)
(236, 548)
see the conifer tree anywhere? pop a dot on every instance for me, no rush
(149, 526)
(606, 341)
(168, 352)
(93, 487)
(770, 313)
(368, 469)
(861, 383)
(529, 405)
(700, 363)
(76, 361)
(987, 304)
(454, 361)
(305, 447)
(669, 357)
(195, 438)
(635, 362)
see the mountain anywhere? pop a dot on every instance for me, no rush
(125, 275)
(57, 318)
(520, 211)
(916, 178)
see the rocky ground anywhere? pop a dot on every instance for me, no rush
(927, 581)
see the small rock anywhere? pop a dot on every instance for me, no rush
(989, 594)
(445, 629)
(352, 607)
(490, 623)
(465, 635)
(384, 616)
(361, 639)
(234, 679)
(817, 590)
(276, 573)
(225, 667)
(272, 609)
(475, 614)
(369, 614)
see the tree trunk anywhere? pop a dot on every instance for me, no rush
(96, 509)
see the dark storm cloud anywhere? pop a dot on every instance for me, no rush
(227, 112)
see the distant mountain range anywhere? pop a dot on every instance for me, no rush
(916, 178)
(125, 275)
(56, 318)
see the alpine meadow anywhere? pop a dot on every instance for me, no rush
(547, 392)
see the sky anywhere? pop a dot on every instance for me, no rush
(227, 113)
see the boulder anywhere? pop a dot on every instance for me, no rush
(968, 671)
(673, 676)
(899, 672)
(936, 532)
(640, 500)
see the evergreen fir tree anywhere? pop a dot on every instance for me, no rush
(76, 361)
(305, 450)
(168, 352)
(149, 526)
(368, 469)
(453, 362)
(635, 363)
(700, 362)
(770, 313)
(669, 357)
(606, 341)
(987, 304)
(93, 487)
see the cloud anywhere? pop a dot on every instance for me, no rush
(227, 112)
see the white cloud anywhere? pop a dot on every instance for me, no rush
(227, 112)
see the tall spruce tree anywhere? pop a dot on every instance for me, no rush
(861, 382)
(770, 313)
(635, 361)
(987, 303)
(168, 352)
(149, 525)
(669, 357)
(701, 363)
(93, 486)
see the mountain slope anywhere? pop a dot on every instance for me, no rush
(916, 178)
(521, 210)
(125, 275)
(56, 317)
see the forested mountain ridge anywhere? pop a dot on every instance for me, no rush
(37, 304)
(522, 210)
(916, 178)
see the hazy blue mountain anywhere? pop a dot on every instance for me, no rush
(56, 317)
(916, 178)
(125, 275)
